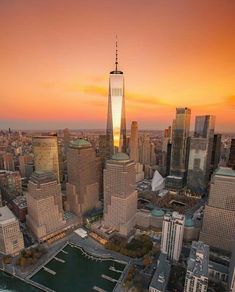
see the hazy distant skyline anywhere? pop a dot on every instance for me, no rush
(55, 57)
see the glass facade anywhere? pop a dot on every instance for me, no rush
(180, 134)
(116, 121)
(200, 154)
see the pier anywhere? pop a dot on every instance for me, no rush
(49, 271)
(109, 278)
(111, 268)
(59, 260)
(63, 251)
(99, 289)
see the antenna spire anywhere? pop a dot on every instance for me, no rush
(116, 62)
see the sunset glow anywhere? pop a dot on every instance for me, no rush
(55, 59)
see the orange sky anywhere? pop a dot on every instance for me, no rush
(55, 57)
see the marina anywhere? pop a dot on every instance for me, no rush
(77, 268)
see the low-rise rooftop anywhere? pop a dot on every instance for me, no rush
(198, 261)
(6, 216)
(162, 273)
(225, 171)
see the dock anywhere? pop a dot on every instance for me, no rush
(99, 289)
(111, 268)
(109, 278)
(63, 251)
(49, 271)
(59, 260)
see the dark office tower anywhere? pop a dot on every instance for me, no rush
(102, 148)
(200, 151)
(216, 151)
(231, 160)
(116, 121)
(67, 139)
(180, 134)
(166, 150)
(83, 180)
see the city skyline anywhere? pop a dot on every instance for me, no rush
(182, 55)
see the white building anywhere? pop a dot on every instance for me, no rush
(172, 235)
(11, 238)
(196, 279)
(158, 182)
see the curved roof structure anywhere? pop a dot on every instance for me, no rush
(188, 222)
(158, 182)
(157, 213)
(79, 143)
(120, 156)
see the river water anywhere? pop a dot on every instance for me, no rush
(77, 273)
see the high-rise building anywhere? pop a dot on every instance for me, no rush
(46, 154)
(120, 196)
(216, 151)
(10, 181)
(24, 161)
(44, 201)
(102, 148)
(180, 134)
(83, 178)
(116, 121)
(11, 238)
(231, 160)
(145, 149)
(200, 152)
(8, 162)
(134, 140)
(218, 229)
(172, 235)
(166, 150)
(196, 279)
(67, 139)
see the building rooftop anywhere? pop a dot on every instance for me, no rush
(21, 202)
(6, 215)
(41, 177)
(198, 261)
(174, 216)
(80, 143)
(162, 273)
(225, 171)
(120, 156)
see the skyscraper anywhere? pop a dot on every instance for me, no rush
(196, 279)
(44, 201)
(116, 121)
(216, 151)
(120, 196)
(200, 153)
(218, 229)
(166, 150)
(231, 160)
(172, 235)
(8, 162)
(134, 140)
(83, 179)
(180, 134)
(46, 154)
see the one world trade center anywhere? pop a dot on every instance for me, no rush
(116, 121)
